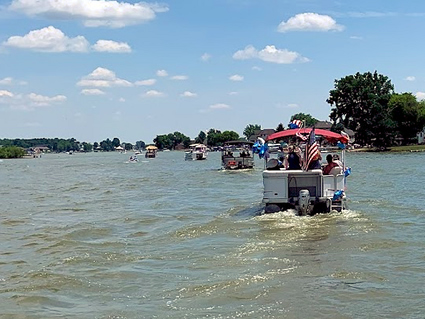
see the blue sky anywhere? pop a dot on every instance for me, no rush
(92, 69)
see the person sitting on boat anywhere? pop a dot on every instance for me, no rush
(335, 158)
(292, 160)
(331, 164)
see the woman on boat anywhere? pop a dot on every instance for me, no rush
(292, 160)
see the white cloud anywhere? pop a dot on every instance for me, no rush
(153, 93)
(420, 96)
(188, 94)
(233, 93)
(111, 46)
(236, 78)
(310, 22)
(179, 77)
(270, 54)
(6, 81)
(287, 106)
(145, 82)
(410, 78)
(93, 13)
(102, 77)
(205, 57)
(31, 124)
(121, 99)
(41, 100)
(4, 93)
(162, 73)
(219, 106)
(48, 39)
(355, 37)
(92, 92)
(257, 68)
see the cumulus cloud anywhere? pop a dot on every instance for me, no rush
(179, 77)
(233, 93)
(153, 93)
(270, 54)
(257, 68)
(93, 13)
(205, 57)
(145, 82)
(92, 92)
(32, 101)
(355, 37)
(420, 96)
(188, 94)
(161, 73)
(4, 93)
(102, 77)
(410, 78)
(236, 78)
(219, 106)
(42, 100)
(310, 22)
(111, 46)
(48, 39)
(6, 81)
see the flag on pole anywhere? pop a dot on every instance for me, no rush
(311, 149)
(295, 124)
(303, 137)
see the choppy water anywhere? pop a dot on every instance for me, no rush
(92, 236)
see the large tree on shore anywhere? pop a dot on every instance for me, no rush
(250, 129)
(406, 114)
(361, 104)
(307, 119)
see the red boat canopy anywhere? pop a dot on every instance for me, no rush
(330, 136)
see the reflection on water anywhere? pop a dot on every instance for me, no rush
(93, 236)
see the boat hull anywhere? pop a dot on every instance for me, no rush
(309, 192)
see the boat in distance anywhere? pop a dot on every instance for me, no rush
(237, 155)
(308, 191)
(151, 151)
(197, 152)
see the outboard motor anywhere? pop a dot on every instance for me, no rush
(304, 202)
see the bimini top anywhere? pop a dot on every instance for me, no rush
(151, 147)
(330, 136)
(238, 142)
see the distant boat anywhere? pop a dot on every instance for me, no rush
(197, 152)
(237, 155)
(151, 151)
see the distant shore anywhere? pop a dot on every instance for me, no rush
(394, 149)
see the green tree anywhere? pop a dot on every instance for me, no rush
(87, 147)
(116, 142)
(201, 137)
(228, 136)
(307, 119)
(361, 104)
(250, 130)
(213, 137)
(405, 112)
(140, 145)
(11, 152)
(280, 128)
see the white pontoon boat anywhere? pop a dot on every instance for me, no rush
(197, 152)
(237, 155)
(307, 191)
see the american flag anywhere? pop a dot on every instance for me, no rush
(303, 137)
(311, 149)
(295, 124)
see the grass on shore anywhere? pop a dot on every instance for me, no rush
(396, 149)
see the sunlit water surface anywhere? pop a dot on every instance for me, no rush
(93, 236)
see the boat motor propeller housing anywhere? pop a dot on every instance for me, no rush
(304, 202)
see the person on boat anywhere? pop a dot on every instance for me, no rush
(335, 158)
(331, 164)
(292, 160)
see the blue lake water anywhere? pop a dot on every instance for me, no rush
(93, 236)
